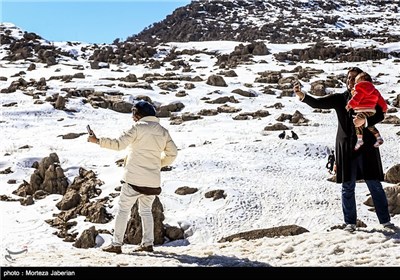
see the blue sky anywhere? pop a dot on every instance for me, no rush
(90, 21)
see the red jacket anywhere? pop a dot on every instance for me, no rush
(366, 97)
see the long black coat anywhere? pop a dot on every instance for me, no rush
(346, 139)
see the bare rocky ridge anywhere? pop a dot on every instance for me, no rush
(278, 21)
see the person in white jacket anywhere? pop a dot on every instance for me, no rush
(149, 147)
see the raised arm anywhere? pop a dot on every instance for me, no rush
(326, 102)
(120, 143)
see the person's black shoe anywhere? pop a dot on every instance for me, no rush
(350, 228)
(113, 249)
(144, 249)
(390, 226)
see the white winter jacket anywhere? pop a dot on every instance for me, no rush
(149, 147)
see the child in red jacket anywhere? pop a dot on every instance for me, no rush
(364, 100)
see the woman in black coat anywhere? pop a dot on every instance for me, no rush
(351, 165)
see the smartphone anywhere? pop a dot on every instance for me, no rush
(90, 131)
(297, 83)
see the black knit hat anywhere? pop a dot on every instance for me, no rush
(145, 109)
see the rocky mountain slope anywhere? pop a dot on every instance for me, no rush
(274, 22)
(277, 21)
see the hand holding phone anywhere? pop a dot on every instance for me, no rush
(90, 131)
(297, 83)
(297, 90)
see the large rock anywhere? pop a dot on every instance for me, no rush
(216, 80)
(49, 177)
(268, 232)
(133, 234)
(393, 197)
(87, 238)
(393, 174)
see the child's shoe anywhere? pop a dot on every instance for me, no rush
(359, 143)
(379, 141)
